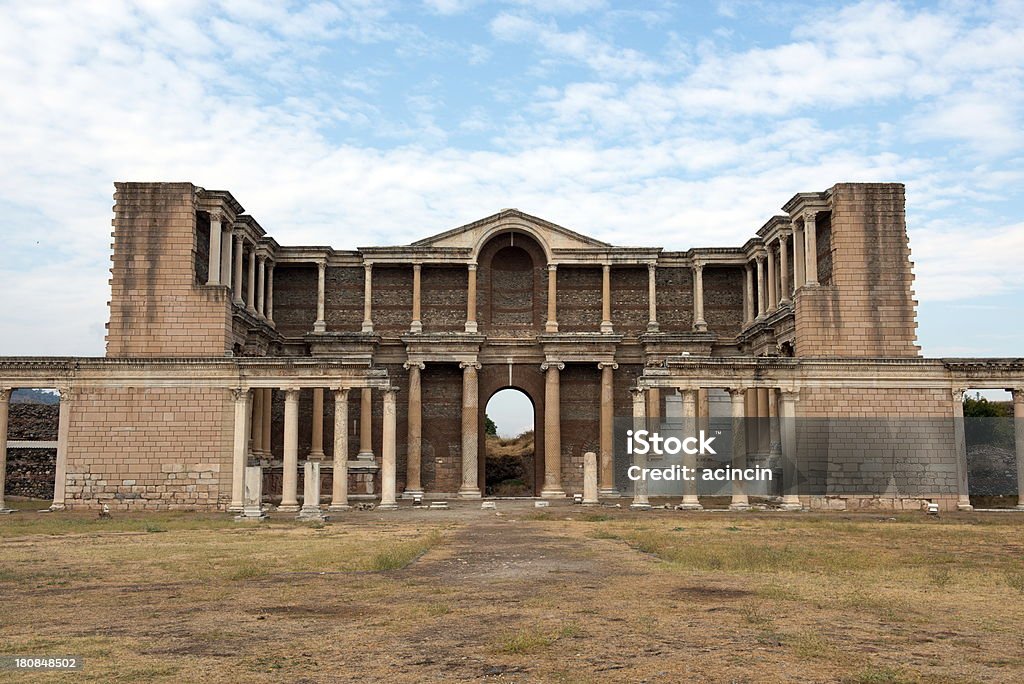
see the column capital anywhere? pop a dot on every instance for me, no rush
(66, 393)
(291, 393)
(417, 266)
(414, 364)
(810, 216)
(789, 394)
(239, 237)
(5, 393)
(607, 364)
(321, 264)
(698, 265)
(389, 391)
(471, 266)
(262, 258)
(239, 393)
(637, 392)
(475, 365)
(606, 266)
(651, 267)
(552, 267)
(368, 265)
(340, 392)
(1017, 393)
(784, 234)
(548, 365)
(736, 391)
(217, 215)
(958, 393)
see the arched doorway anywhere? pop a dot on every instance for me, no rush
(510, 461)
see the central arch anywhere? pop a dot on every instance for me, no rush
(526, 378)
(509, 459)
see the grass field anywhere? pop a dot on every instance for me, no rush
(566, 595)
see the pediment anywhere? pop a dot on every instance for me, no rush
(552, 236)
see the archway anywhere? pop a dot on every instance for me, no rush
(510, 457)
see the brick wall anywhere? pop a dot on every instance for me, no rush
(295, 298)
(441, 469)
(723, 300)
(343, 298)
(675, 299)
(580, 386)
(443, 298)
(578, 299)
(629, 300)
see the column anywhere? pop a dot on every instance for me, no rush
(590, 479)
(241, 442)
(699, 324)
(365, 424)
(811, 247)
(607, 474)
(652, 298)
(270, 294)
(763, 430)
(739, 447)
(552, 431)
(61, 470)
(339, 476)
(799, 263)
(236, 287)
(388, 463)
(703, 410)
(311, 492)
(606, 299)
(316, 450)
(256, 424)
(774, 439)
(963, 499)
(368, 298)
(748, 295)
(250, 289)
(750, 412)
(470, 488)
(773, 300)
(784, 289)
(760, 288)
(416, 325)
(1018, 432)
(654, 406)
(471, 326)
(690, 501)
(5, 400)
(213, 270)
(268, 398)
(261, 285)
(320, 324)
(290, 476)
(225, 257)
(640, 500)
(787, 420)
(413, 487)
(552, 323)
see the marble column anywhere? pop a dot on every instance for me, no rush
(1018, 431)
(787, 421)
(316, 450)
(963, 502)
(5, 401)
(261, 285)
(699, 324)
(784, 286)
(799, 262)
(413, 464)
(268, 398)
(417, 274)
(470, 488)
(761, 308)
(250, 288)
(213, 269)
(311, 492)
(763, 417)
(811, 247)
(225, 256)
(339, 475)
(607, 469)
(60, 475)
(256, 423)
(552, 431)
(290, 475)
(640, 500)
(773, 301)
(652, 298)
(366, 424)
(389, 449)
(740, 501)
(270, 294)
(590, 479)
(239, 451)
(748, 295)
(236, 280)
(551, 325)
(471, 326)
(774, 438)
(690, 501)
(320, 324)
(606, 299)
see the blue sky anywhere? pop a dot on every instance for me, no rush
(356, 123)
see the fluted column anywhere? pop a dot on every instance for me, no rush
(471, 326)
(652, 298)
(5, 401)
(799, 261)
(963, 502)
(213, 270)
(748, 294)
(417, 275)
(811, 247)
(760, 288)
(470, 488)
(787, 424)
(316, 450)
(367, 298)
(552, 431)
(261, 285)
(739, 447)
(320, 325)
(784, 288)
(640, 499)
(699, 324)
(339, 476)
(389, 450)
(690, 501)
(607, 470)
(1018, 431)
(606, 299)
(236, 279)
(240, 448)
(270, 294)
(60, 475)
(552, 323)
(366, 424)
(773, 301)
(413, 464)
(290, 474)
(250, 288)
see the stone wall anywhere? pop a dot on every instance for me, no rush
(630, 308)
(580, 391)
(30, 471)
(675, 299)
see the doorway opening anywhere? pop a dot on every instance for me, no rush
(509, 464)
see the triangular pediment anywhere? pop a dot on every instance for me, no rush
(470, 236)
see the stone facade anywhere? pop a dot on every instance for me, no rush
(226, 350)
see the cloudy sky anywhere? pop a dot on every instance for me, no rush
(364, 122)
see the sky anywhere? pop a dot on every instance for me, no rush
(357, 122)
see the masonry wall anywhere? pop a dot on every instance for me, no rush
(675, 299)
(580, 390)
(723, 300)
(150, 448)
(441, 464)
(157, 306)
(629, 300)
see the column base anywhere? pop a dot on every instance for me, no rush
(964, 507)
(310, 513)
(56, 507)
(235, 508)
(609, 493)
(320, 326)
(416, 327)
(288, 508)
(237, 301)
(387, 507)
(315, 456)
(469, 493)
(640, 506)
(336, 508)
(783, 302)
(552, 494)
(689, 506)
(365, 456)
(606, 327)
(251, 310)
(551, 327)
(367, 327)
(412, 493)
(700, 326)
(791, 507)
(652, 326)
(739, 506)
(471, 326)
(6, 511)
